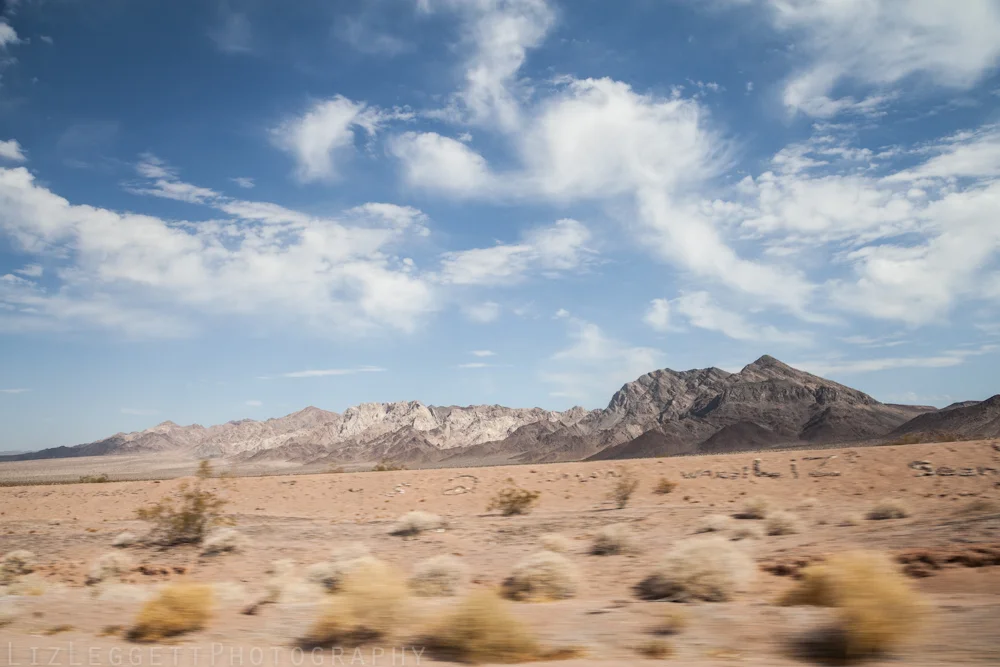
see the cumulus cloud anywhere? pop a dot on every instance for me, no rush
(658, 315)
(11, 150)
(243, 181)
(8, 35)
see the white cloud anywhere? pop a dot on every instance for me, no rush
(658, 315)
(144, 412)
(942, 360)
(336, 275)
(8, 35)
(243, 181)
(254, 404)
(483, 353)
(562, 313)
(880, 43)
(560, 247)
(483, 313)
(594, 364)
(966, 155)
(31, 271)
(475, 364)
(234, 34)
(11, 150)
(702, 312)
(164, 183)
(13, 391)
(497, 36)
(46, 38)
(432, 161)
(328, 372)
(323, 137)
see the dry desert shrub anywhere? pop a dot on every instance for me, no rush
(888, 508)
(876, 607)
(372, 604)
(388, 466)
(481, 630)
(112, 564)
(125, 539)
(754, 508)
(747, 531)
(670, 620)
(16, 563)
(624, 487)
(542, 576)
(849, 520)
(223, 540)
(185, 517)
(332, 574)
(782, 523)
(979, 506)
(612, 540)
(179, 609)
(416, 522)
(439, 576)
(664, 486)
(513, 500)
(655, 649)
(556, 542)
(714, 523)
(707, 568)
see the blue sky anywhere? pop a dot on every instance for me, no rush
(224, 210)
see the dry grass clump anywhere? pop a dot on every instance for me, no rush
(888, 508)
(439, 576)
(782, 523)
(513, 500)
(416, 522)
(754, 508)
(556, 542)
(624, 487)
(125, 539)
(372, 603)
(655, 649)
(747, 531)
(223, 540)
(481, 630)
(706, 568)
(877, 608)
(670, 620)
(542, 576)
(179, 609)
(612, 540)
(714, 523)
(185, 517)
(664, 486)
(13, 564)
(112, 564)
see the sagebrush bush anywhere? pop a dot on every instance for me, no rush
(185, 517)
(513, 500)
(754, 508)
(177, 610)
(706, 568)
(439, 576)
(15, 563)
(614, 539)
(746, 531)
(480, 629)
(556, 542)
(877, 609)
(125, 539)
(416, 522)
(624, 486)
(223, 540)
(888, 508)
(107, 566)
(713, 523)
(542, 576)
(331, 574)
(782, 523)
(655, 649)
(664, 486)
(372, 604)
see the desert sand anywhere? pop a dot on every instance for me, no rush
(304, 517)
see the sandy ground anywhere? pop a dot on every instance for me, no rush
(304, 517)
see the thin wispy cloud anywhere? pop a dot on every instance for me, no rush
(325, 372)
(14, 391)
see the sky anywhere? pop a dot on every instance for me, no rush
(223, 209)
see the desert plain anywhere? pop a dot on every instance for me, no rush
(948, 545)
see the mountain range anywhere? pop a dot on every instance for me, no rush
(663, 413)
